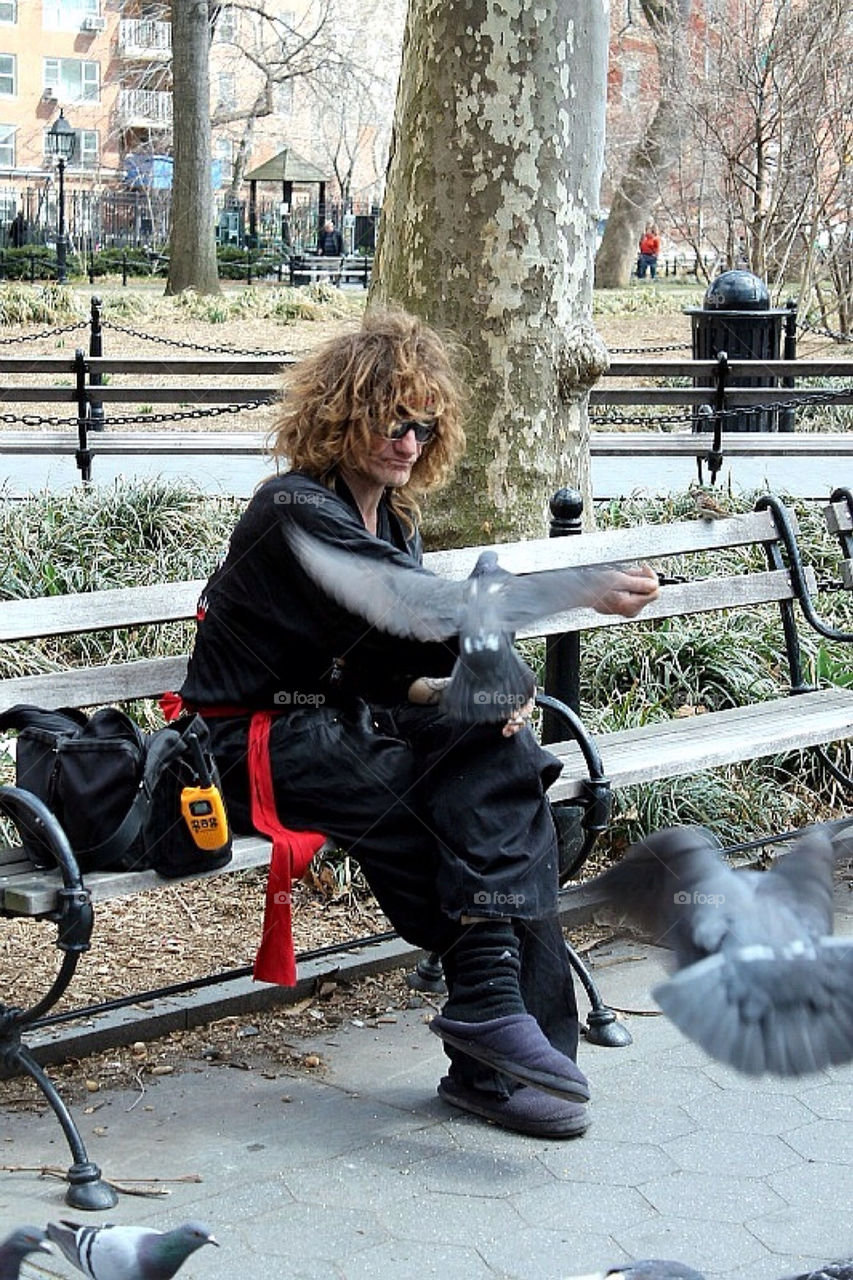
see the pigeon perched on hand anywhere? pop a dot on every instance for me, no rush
(128, 1253)
(760, 983)
(489, 680)
(16, 1247)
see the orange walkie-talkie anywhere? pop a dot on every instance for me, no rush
(202, 806)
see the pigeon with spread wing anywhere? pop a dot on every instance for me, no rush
(760, 984)
(490, 680)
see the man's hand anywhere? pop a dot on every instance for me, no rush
(627, 591)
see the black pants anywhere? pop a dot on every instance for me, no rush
(444, 819)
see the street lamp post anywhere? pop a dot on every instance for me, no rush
(60, 141)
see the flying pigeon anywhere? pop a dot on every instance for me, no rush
(661, 1269)
(128, 1253)
(13, 1250)
(489, 680)
(760, 983)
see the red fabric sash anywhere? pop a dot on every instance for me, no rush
(292, 852)
(291, 855)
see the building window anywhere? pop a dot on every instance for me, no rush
(7, 74)
(227, 89)
(284, 97)
(8, 10)
(7, 146)
(225, 31)
(86, 151)
(72, 79)
(68, 15)
(630, 85)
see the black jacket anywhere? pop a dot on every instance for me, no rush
(268, 637)
(330, 244)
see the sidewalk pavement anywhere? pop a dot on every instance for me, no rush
(364, 1173)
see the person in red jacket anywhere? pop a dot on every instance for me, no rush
(649, 250)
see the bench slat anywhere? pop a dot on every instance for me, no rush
(674, 748)
(91, 686)
(641, 542)
(700, 596)
(33, 893)
(133, 606)
(98, 610)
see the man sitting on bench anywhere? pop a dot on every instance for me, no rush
(449, 821)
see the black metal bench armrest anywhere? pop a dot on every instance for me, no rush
(596, 799)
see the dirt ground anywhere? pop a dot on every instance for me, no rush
(182, 931)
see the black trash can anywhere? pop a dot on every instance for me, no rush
(736, 317)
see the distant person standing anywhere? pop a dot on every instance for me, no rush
(649, 250)
(330, 243)
(18, 231)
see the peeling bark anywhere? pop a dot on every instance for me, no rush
(488, 231)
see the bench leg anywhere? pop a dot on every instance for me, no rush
(602, 1025)
(86, 1189)
(428, 975)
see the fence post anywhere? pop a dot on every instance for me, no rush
(248, 266)
(32, 268)
(788, 417)
(124, 266)
(562, 653)
(83, 454)
(96, 348)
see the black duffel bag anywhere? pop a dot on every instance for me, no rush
(127, 800)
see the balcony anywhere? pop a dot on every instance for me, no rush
(144, 40)
(144, 109)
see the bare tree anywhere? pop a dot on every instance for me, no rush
(192, 254)
(764, 177)
(656, 153)
(488, 230)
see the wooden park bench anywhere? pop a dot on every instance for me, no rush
(592, 766)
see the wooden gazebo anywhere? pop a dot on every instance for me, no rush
(289, 168)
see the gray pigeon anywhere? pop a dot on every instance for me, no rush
(660, 1269)
(128, 1253)
(489, 680)
(760, 983)
(13, 1250)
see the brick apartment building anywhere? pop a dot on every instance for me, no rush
(106, 64)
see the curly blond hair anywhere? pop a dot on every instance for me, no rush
(334, 399)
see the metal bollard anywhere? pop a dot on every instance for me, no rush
(788, 417)
(562, 653)
(96, 348)
(83, 454)
(124, 266)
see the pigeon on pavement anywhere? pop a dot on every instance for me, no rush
(13, 1250)
(661, 1269)
(760, 984)
(128, 1253)
(489, 681)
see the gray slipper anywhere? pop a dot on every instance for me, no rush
(517, 1046)
(527, 1110)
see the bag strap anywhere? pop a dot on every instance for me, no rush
(23, 716)
(164, 746)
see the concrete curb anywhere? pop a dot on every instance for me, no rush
(239, 996)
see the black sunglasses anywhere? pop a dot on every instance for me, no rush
(424, 431)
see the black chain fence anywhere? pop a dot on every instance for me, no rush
(807, 327)
(646, 351)
(711, 415)
(191, 346)
(45, 333)
(179, 415)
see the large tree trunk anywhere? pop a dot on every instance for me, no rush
(192, 251)
(654, 155)
(488, 231)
